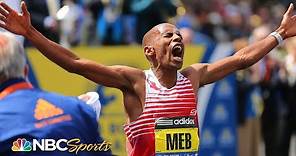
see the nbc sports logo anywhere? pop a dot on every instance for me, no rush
(21, 145)
(73, 146)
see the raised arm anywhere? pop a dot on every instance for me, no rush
(112, 76)
(247, 56)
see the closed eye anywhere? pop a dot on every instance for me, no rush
(179, 34)
(168, 34)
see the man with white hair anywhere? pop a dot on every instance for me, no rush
(28, 114)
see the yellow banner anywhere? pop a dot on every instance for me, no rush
(53, 78)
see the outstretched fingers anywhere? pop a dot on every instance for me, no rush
(2, 18)
(3, 12)
(289, 12)
(3, 25)
(293, 18)
(24, 8)
(6, 7)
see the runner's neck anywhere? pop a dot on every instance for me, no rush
(167, 78)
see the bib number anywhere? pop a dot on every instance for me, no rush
(176, 137)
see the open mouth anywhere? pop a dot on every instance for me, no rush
(177, 52)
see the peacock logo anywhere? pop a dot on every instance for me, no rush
(21, 145)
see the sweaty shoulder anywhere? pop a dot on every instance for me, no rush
(134, 76)
(194, 73)
(130, 72)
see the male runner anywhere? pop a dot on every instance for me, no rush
(161, 102)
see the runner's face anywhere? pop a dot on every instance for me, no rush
(169, 47)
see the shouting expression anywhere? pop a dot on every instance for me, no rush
(163, 46)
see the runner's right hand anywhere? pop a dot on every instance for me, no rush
(18, 23)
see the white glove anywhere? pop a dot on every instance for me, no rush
(93, 100)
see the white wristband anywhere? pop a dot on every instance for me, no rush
(277, 36)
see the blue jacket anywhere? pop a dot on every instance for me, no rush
(35, 114)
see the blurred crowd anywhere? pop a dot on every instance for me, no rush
(99, 22)
(266, 91)
(113, 22)
(266, 98)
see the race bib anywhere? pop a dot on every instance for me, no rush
(176, 137)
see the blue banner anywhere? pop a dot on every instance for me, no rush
(217, 110)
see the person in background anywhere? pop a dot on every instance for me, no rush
(43, 15)
(128, 22)
(70, 23)
(93, 8)
(250, 101)
(109, 23)
(150, 13)
(274, 125)
(286, 125)
(29, 113)
(16, 5)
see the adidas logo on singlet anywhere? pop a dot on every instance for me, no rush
(184, 121)
(176, 122)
